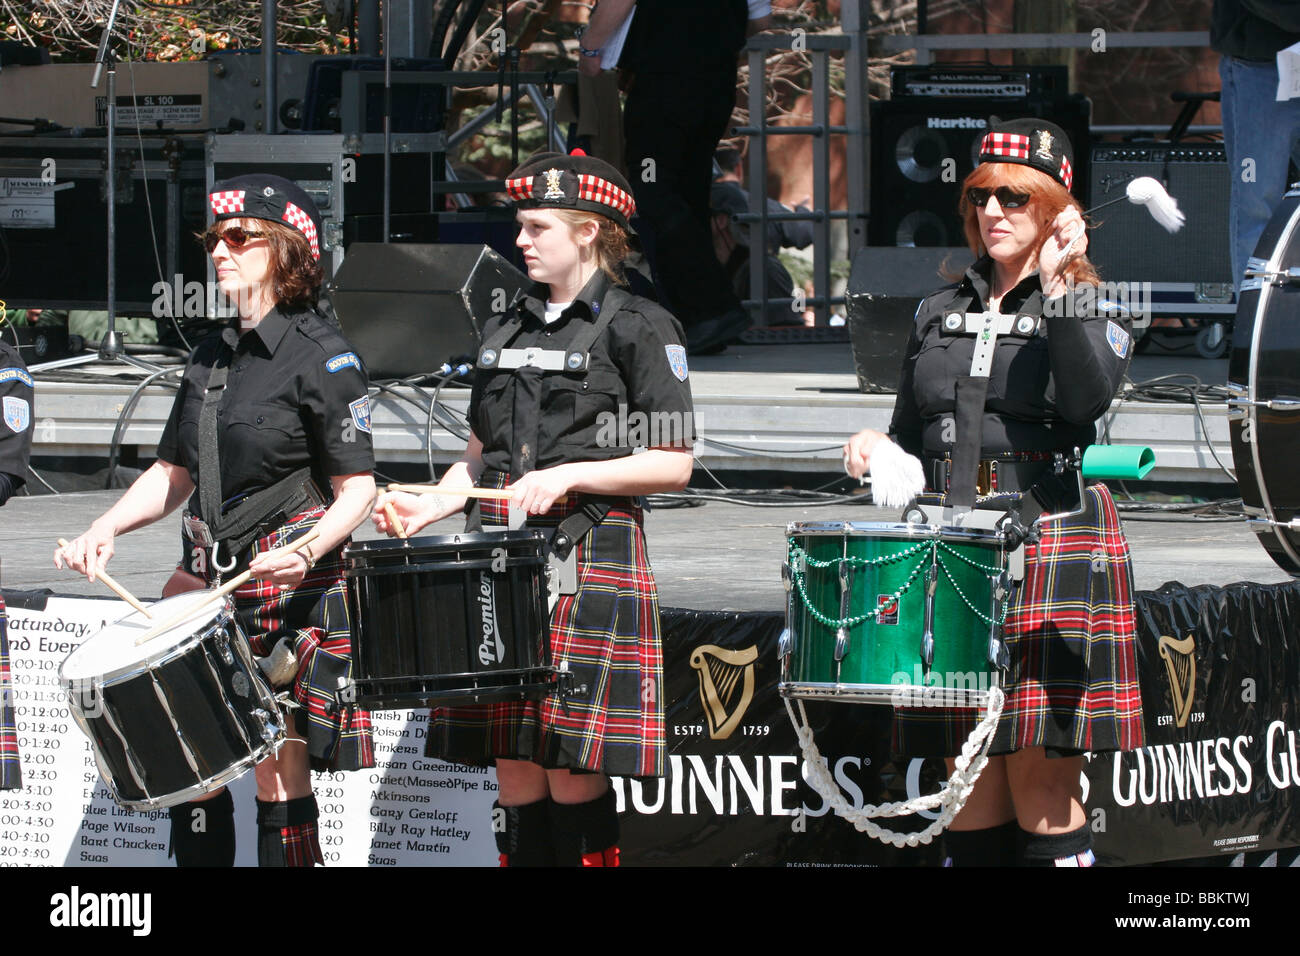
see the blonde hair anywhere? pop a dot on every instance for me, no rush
(1047, 199)
(610, 245)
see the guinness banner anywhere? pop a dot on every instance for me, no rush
(1220, 774)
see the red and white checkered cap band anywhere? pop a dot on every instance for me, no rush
(224, 203)
(302, 222)
(594, 189)
(1067, 172)
(520, 188)
(1012, 145)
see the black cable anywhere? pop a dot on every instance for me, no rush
(115, 447)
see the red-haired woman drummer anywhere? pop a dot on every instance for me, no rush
(16, 404)
(268, 437)
(1072, 683)
(538, 428)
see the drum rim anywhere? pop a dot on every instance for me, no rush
(898, 529)
(207, 785)
(225, 614)
(438, 541)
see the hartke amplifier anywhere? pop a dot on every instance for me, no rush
(922, 149)
(410, 307)
(1127, 245)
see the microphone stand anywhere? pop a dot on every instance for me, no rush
(111, 347)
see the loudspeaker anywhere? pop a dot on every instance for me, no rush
(407, 308)
(922, 149)
(1127, 245)
(886, 284)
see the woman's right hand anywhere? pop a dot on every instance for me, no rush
(414, 511)
(857, 451)
(89, 553)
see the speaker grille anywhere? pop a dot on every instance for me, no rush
(1126, 244)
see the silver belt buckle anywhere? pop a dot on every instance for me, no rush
(196, 529)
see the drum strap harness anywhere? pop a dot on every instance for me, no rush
(529, 365)
(247, 519)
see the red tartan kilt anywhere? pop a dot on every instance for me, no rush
(1072, 635)
(608, 635)
(11, 777)
(314, 616)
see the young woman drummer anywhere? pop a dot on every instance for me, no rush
(536, 428)
(1072, 683)
(280, 444)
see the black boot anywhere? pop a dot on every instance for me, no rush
(586, 834)
(524, 834)
(203, 832)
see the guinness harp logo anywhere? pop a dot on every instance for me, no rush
(1180, 665)
(726, 686)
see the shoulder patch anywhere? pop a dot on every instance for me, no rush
(1117, 338)
(17, 413)
(342, 361)
(360, 410)
(16, 374)
(677, 361)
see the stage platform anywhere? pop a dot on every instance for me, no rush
(757, 407)
(717, 556)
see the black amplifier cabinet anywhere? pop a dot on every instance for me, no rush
(1126, 244)
(921, 150)
(54, 225)
(344, 174)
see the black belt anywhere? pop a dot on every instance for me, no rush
(1007, 473)
(571, 529)
(285, 499)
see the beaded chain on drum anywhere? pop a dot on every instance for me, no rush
(799, 559)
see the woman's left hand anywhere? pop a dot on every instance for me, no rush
(1067, 240)
(537, 491)
(280, 566)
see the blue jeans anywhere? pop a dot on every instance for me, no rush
(1257, 128)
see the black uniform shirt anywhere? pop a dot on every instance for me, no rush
(634, 392)
(1045, 391)
(295, 396)
(18, 408)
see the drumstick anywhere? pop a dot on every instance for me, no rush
(116, 588)
(502, 493)
(231, 585)
(393, 520)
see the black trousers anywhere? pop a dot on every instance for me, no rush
(676, 120)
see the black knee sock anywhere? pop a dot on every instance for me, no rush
(287, 834)
(586, 834)
(993, 846)
(203, 832)
(1057, 849)
(524, 834)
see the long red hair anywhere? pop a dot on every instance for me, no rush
(1047, 199)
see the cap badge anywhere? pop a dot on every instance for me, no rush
(553, 190)
(1044, 150)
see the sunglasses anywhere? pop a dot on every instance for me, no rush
(1007, 197)
(235, 238)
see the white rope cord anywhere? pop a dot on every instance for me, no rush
(968, 766)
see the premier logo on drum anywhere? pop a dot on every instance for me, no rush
(78, 909)
(492, 650)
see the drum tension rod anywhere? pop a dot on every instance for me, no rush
(927, 637)
(846, 573)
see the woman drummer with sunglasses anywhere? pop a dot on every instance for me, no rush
(1055, 368)
(611, 356)
(268, 438)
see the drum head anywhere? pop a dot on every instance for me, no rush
(113, 650)
(893, 530)
(433, 544)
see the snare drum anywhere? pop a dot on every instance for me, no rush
(178, 716)
(458, 618)
(901, 614)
